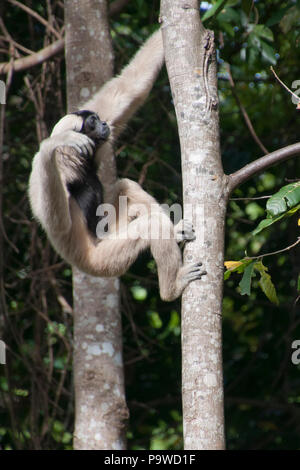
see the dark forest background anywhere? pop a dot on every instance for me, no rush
(262, 385)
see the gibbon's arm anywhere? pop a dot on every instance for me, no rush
(121, 96)
(51, 168)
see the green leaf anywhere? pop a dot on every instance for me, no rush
(266, 223)
(262, 31)
(268, 53)
(246, 6)
(229, 15)
(254, 40)
(227, 28)
(266, 283)
(214, 10)
(139, 293)
(240, 267)
(285, 198)
(155, 319)
(245, 283)
(276, 17)
(290, 19)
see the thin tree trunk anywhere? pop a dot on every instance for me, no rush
(191, 65)
(100, 405)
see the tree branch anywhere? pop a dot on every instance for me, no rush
(41, 56)
(258, 166)
(33, 59)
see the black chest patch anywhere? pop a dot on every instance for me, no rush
(88, 193)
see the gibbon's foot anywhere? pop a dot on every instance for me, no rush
(186, 274)
(184, 231)
(191, 272)
(80, 142)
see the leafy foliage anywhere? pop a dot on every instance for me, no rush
(284, 203)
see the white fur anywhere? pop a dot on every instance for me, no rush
(58, 161)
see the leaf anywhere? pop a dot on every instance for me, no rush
(290, 19)
(227, 28)
(268, 52)
(232, 264)
(262, 31)
(155, 319)
(285, 198)
(235, 266)
(229, 15)
(139, 293)
(254, 40)
(266, 283)
(245, 283)
(246, 6)
(268, 288)
(266, 223)
(276, 17)
(214, 10)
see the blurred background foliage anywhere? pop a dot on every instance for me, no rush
(262, 385)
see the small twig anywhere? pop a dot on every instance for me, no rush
(284, 85)
(275, 252)
(248, 198)
(17, 45)
(244, 112)
(36, 16)
(144, 170)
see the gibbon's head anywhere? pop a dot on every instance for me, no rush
(86, 122)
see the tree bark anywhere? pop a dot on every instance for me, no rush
(100, 406)
(191, 65)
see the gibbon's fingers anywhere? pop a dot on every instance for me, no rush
(80, 142)
(184, 231)
(84, 146)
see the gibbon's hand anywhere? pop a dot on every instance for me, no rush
(80, 142)
(184, 231)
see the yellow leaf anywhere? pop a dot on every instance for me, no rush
(232, 264)
(299, 222)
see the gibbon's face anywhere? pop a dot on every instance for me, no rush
(94, 128)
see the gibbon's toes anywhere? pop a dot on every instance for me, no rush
(195, 272)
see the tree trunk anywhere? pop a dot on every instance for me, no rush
(191, 65)
(100, 406)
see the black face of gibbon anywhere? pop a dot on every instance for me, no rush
(93, 127)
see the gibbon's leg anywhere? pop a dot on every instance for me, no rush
(113, 255)
(121, 96)
(139, 202)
